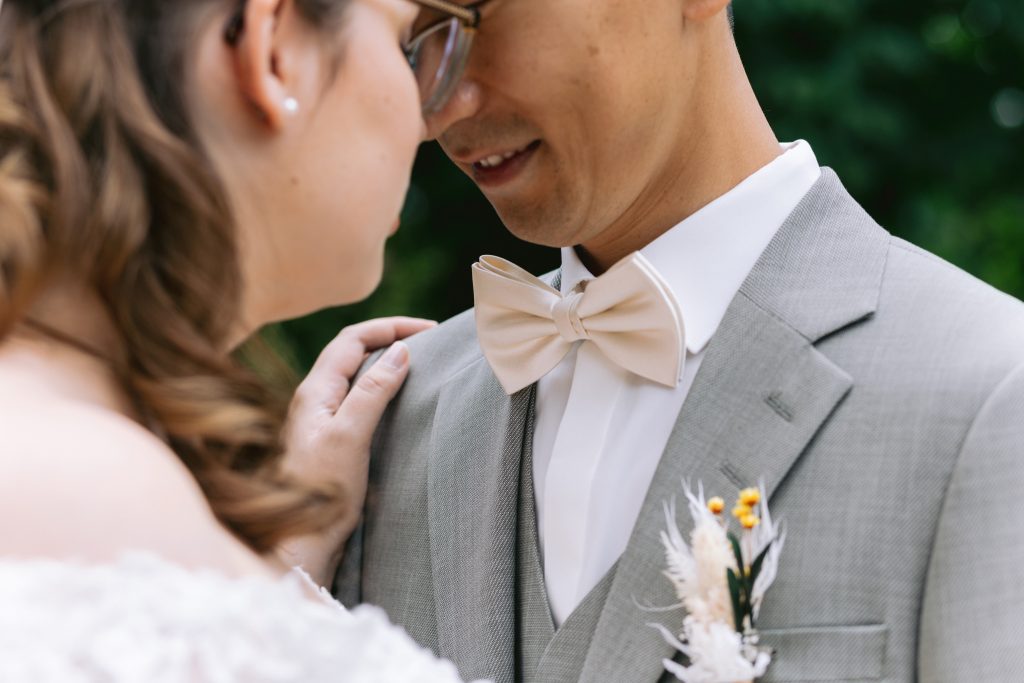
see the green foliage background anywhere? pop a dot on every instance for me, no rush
(917, 104)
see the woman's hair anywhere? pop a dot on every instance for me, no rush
(102, 179)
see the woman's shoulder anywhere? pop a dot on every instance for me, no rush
(50, 424)
(78, 481)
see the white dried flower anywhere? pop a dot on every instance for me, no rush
(767, 533)
(716, 654)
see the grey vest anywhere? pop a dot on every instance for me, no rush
(543, 654)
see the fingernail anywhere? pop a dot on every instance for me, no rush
(396, 357)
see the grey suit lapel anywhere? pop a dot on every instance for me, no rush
(762, 393)
(473, 484)
(535, 626)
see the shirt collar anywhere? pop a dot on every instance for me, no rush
(706, 257)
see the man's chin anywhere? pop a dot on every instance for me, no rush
(533, 232)
(542, 226)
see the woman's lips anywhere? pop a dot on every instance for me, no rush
(499, 169)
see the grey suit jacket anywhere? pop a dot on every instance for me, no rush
(877, 390)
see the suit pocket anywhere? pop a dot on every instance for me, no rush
(826, 653)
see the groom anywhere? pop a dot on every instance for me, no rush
(518, 481)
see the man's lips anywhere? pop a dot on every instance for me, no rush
(482, 156)
(497, 168)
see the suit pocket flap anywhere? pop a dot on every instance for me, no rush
(826, 653)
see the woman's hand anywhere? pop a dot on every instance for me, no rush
(331, 424)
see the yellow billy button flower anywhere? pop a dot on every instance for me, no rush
(750, 497)
(750, 521)
(741, 511)
(716, 505)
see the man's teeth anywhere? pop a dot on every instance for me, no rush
(497, 159)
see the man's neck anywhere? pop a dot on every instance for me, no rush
(728, 139)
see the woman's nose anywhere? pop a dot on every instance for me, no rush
(463, 104)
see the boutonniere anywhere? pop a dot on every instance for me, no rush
(721, 578)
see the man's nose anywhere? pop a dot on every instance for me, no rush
(463, 104)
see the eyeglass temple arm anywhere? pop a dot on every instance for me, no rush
(466, 13)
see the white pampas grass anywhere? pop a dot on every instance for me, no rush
(765, 535)
(699, 575)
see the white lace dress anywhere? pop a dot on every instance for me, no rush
(143, 620)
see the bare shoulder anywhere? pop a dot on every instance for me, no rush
(78, 482)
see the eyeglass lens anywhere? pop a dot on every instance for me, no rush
(438, 57)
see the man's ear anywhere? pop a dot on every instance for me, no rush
(259, 61)
(702, 10)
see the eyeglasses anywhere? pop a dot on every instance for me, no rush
(439, 51)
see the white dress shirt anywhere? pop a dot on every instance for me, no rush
(600, 430)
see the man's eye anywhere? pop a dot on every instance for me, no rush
(425, 20)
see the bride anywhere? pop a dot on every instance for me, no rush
(173, 176)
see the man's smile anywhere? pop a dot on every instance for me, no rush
(495, 169)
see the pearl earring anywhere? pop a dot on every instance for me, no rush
(291, 105)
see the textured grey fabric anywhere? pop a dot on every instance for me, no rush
(534, 626)
(472, 515)
(973, 601)
(567, 652)
(874, 388)
(544, 654)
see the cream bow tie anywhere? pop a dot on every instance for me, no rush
(526, 327)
